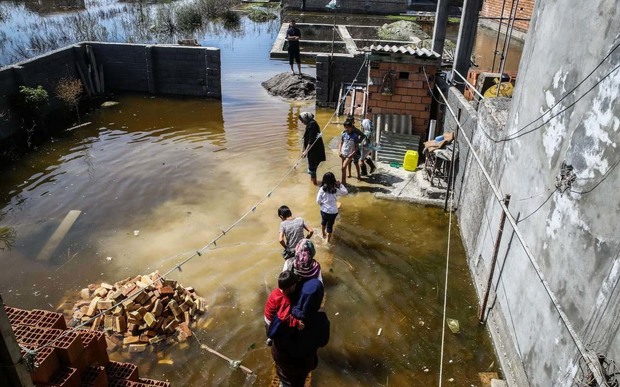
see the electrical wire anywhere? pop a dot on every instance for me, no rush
(445, 295)
(520, 133)
(539, 207)
(605, 176)
(571, 90)
(428, 86)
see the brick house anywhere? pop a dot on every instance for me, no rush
(400, 84)
(492, 9)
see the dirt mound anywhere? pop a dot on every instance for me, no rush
(402, 30)
(289, 86)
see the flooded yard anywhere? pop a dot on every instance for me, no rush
(179, 171)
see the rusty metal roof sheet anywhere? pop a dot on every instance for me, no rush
(419, 52)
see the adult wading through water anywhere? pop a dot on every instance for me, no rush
(314, 149)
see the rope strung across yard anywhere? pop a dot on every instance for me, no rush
(445, 292)
(31, 353)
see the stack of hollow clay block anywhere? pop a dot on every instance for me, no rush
(70, 358)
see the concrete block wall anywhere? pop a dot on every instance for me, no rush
(7, 85)
(493, 8)
(172, 70)
(331, 73)
(385, 7)
(411, 94)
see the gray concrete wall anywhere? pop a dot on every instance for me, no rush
(385, 7)
(331, 72)
(573, 235)
(171, 70)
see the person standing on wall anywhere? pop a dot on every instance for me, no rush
(293, 34)
(314, 149)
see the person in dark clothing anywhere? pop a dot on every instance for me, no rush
(295, 351)
(293, 34)
(313, 149)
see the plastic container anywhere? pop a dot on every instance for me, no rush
(411, 161)
(439, 139)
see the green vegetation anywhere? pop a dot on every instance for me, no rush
(188, 17)
(231, 19)
(250, 6)
(422, 19)
(260, 15)
(34, 97)
(7, 237)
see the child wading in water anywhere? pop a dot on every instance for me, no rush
(326, 198)
(291, 231)
(278, 306)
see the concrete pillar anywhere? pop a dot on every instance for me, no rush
(439, 29)
(214, 73)
(466, 38)
(150, 69)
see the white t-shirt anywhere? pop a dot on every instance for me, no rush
(328, 201)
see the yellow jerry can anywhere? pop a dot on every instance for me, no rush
(411, 161)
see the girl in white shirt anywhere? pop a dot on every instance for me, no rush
(326, 198)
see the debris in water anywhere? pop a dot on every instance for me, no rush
(380, 330)
(136, 232)
(109, 258)
(453, 325)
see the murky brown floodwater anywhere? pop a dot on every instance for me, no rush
(180, 171)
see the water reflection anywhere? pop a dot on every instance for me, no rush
(54, 6)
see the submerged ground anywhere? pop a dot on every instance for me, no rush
(180, 171)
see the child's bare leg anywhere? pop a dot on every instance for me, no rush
(329, 236)
(346, 164)
(349, 174)
(323, 231)
(357, 169)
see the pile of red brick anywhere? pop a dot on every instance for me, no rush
(70, 358)
(140, 311)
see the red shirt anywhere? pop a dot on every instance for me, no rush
(279, 304)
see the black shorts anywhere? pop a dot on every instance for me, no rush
(293, 54)
(328, 221)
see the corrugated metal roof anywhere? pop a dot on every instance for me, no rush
(419, 52)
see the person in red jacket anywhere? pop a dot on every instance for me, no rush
(278, 306)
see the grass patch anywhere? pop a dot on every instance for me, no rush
(260, 15)
(188, 17)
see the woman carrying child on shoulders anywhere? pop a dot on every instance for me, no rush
(327, 199)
